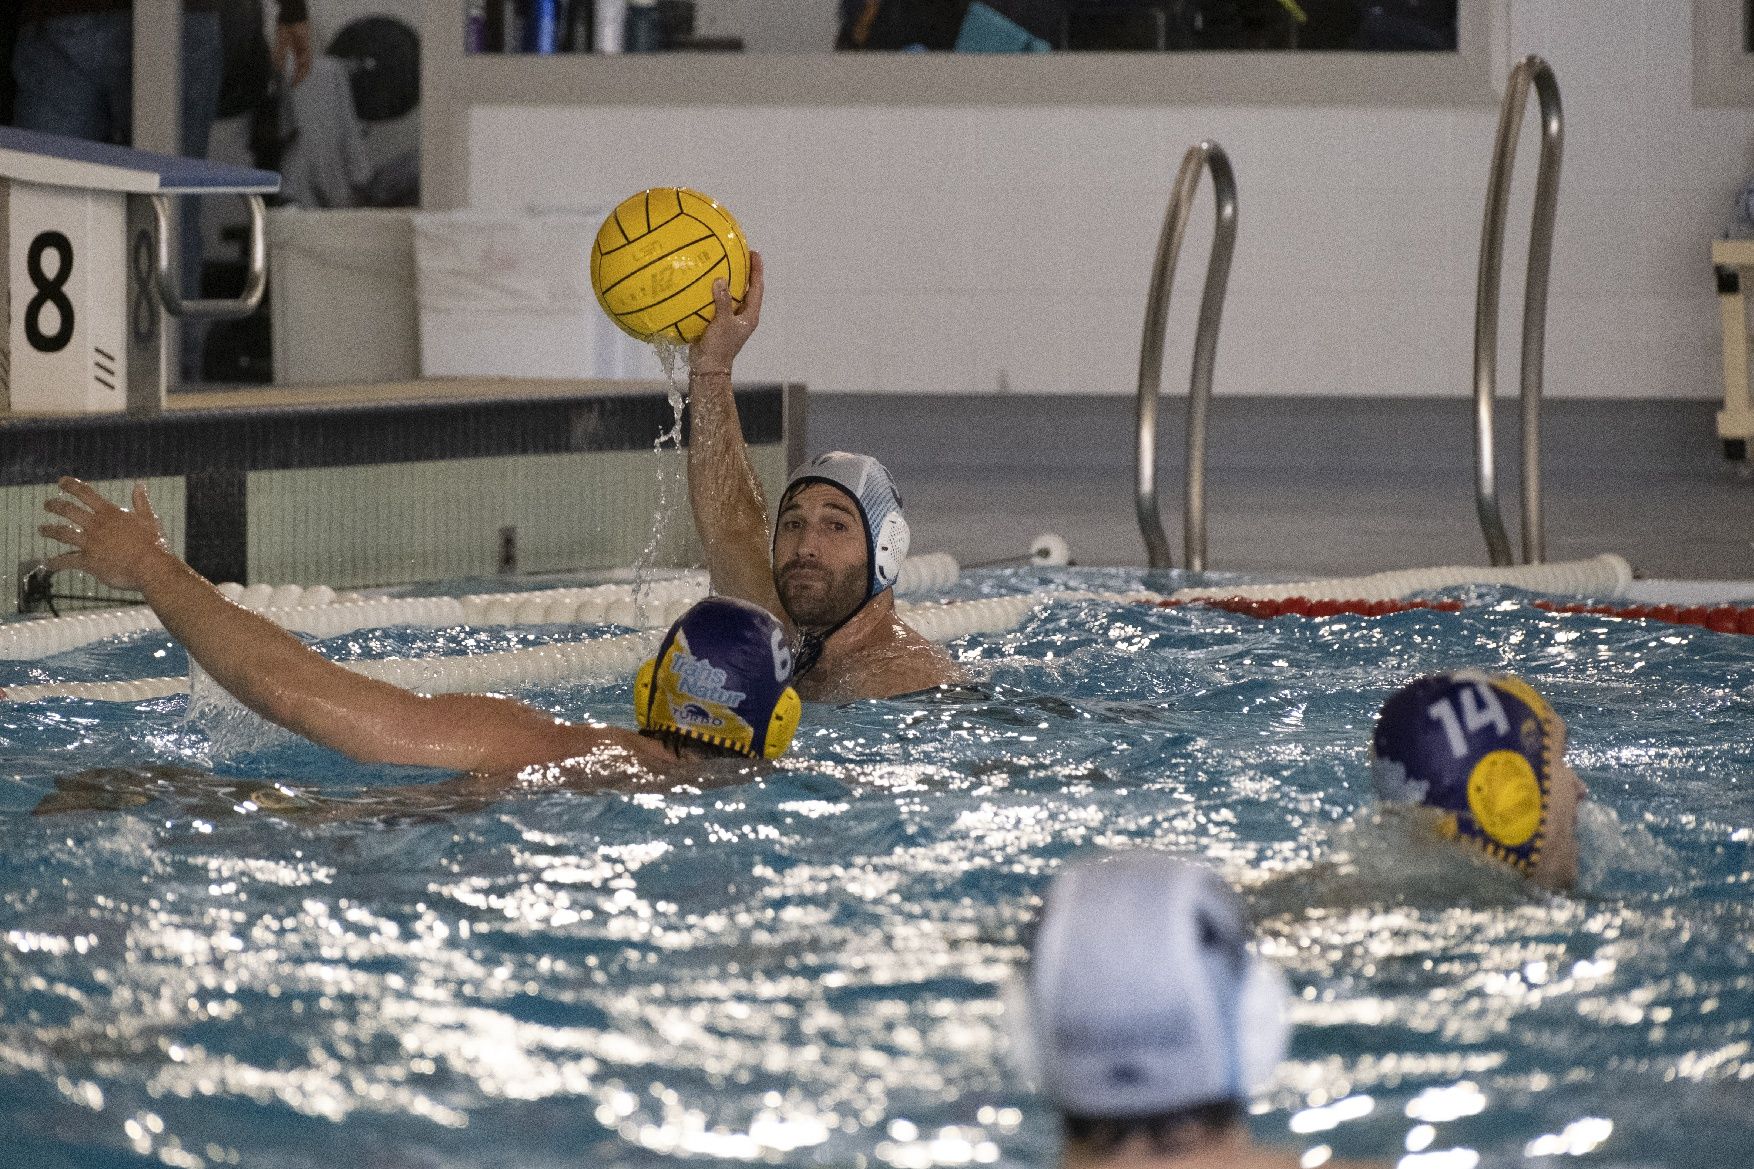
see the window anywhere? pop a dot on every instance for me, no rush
(968, 26)
(1149, 25)
(1385, 54)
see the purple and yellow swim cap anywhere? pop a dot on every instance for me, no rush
(1481, 749)
(722, 676)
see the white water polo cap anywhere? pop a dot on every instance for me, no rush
(1143, 995)
(868, 483)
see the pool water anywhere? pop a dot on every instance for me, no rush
(803, 968)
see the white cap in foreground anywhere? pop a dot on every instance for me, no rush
(1143, 995)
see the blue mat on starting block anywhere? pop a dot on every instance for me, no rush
(55, 160)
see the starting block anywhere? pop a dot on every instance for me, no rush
(86, 231)
(1733, 260)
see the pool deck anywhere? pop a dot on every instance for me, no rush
(1325, 486)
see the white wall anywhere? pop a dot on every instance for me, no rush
(932, 250)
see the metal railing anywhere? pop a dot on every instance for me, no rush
(1205, 156)
(1530, 71)
(255, 277)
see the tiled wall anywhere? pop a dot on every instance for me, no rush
(352, 526)
(972, 250)
(400, 523)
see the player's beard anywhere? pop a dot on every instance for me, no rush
(815, 597)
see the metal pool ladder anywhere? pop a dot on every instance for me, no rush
(1205, 156)
(1536, 72)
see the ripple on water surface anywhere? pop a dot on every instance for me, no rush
(803, 968)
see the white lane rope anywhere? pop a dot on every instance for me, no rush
(943, 621)
(1604, 576)
(320, 611)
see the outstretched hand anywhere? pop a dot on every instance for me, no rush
(111, 543)
(732, 324)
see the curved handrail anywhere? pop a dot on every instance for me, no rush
(1529, 71)
(255, 279)
(1205, 156)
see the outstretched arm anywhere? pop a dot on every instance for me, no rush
(730, 511)
(278, 677)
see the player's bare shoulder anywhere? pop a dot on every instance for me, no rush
(921, 663)
(889, 661)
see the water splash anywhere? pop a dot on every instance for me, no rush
(1612, 853)
(673, 358)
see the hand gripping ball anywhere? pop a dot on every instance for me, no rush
(656, 258)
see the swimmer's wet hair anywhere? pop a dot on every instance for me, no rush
(1167, 1133)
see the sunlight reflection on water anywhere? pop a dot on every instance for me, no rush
(803, 969)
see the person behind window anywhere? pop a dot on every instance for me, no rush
(73, 67)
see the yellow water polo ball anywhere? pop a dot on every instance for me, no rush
(655, 260)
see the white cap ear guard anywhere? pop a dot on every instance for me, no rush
(1142, 995)
(889, 546)
(1017, 1017)
(1263, 1024)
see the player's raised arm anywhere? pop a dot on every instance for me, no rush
(730, 511)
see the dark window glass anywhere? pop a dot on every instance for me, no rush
(971, 26)
(1385, 26)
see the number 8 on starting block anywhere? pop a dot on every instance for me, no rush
(89, 277)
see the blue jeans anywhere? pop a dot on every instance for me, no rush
(75, 77)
